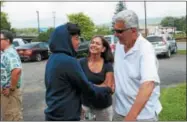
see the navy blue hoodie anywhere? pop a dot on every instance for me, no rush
(65, 81)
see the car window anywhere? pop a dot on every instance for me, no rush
(36, 46)
(16, 44)
(25, 41)
(81, 40)
(43, 45)
(154, 39)
(169, 38)
(109, 39)
(46, 45)
(116, 39)
(28, 45)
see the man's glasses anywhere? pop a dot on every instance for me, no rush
(120, 30)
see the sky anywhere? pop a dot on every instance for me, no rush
(23, 14)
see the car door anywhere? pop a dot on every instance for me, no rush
(43, 49)
(171, 42)
(47, 50)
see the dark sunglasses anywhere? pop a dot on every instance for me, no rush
(120, 30)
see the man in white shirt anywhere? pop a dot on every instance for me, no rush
(136, 72)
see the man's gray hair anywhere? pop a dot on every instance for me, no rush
(129, 17)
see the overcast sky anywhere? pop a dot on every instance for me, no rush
(23, 14)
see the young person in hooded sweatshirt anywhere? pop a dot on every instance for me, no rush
(65, 80)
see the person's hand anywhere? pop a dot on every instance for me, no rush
(107, 84)
(101, 85)
(111, 85)
(6, 91)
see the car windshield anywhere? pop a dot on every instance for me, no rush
(15, 44)
(29, 45)
(154, 39)
(108, 39)
(81, 40)
(25, 41)
(169, 38)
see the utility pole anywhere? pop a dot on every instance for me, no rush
(54, 18)
(38, 20)
(145, 18)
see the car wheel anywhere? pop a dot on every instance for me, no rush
(24, 60)
(168, 54)
(38, 57)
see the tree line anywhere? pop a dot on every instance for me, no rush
(88, 28)
(178, 22)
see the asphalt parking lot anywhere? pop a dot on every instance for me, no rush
(171, 71)
(181, 45)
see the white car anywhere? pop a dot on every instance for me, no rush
(18, 42)
(112, 40)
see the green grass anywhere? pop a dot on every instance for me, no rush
(173, 101)
(183, 52)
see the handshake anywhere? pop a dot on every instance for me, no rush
(108, 83)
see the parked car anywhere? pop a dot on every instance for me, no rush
(112, 40)
(84, 45)
(173, 44)
(18, 42)
(161, 45)
(33, 51)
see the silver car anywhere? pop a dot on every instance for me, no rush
(161, 45)
(172, 43)
(112, 40)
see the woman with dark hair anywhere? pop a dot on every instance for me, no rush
(65, 80)
(99, 70)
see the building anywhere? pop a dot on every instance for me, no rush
(167, 29)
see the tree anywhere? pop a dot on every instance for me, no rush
(13, 30)
(119, 7)
(102, 30)
(27, 31)
(44, 36)
(5, 24)
(179, 23)
(84, 22)
(168, 21)
(1, 3)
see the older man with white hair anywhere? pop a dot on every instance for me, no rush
(136, 72)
